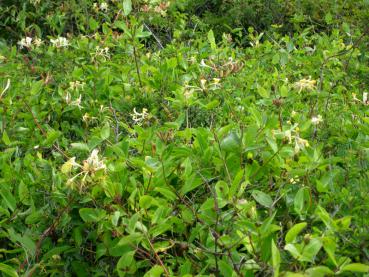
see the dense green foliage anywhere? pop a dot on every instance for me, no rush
(197, 138)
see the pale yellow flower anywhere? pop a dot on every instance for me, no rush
(101, 53)
(76, 85)
(37, 42)
(77, 102)
(139, 118)
(203, 84)
(90, 166)
(316, 119)
(93, 163)
(104, 6)
(7, 86)
(25, 43)
(68, 98)
(59, 42)
(365, 98)
(305, 84)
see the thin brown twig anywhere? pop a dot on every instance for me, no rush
(44, 235)
(157, 256)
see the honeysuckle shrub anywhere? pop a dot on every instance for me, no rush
(171, 20)
(199, 158)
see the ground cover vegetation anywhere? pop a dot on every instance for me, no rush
(184, 138)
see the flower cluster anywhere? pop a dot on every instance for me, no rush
(35, 2)
(316, 119)
(293, 137)
(101, 53)
(77, 102)
(205, 86)
(7, 86)
(139, 118)
(213, 85)
(88, 168)
(188, 93)
(294, 180)
(29, 43)
(223, 68)
(102, 7)
(305, 84)
(87, 118)
(76, 85)
(60, 42)
(161, 8)
(365, 100)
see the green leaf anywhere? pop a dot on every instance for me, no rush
(8, 270)
(167, 193)
(160, 229)
(283, 91)
(36, 87)
(93, 24)
(211, 39)
(80, 146)
(356, 267)
(294, 274)
(294, 231)
(34, 217)
(275, 59)
(267, 227)
(211, 105)
(155, 271)
(105, 132)
(328, 18)
(121, 25)
(56, 251)
(293, 250)
(23, 194)
(125, 263)
(262, 198)
(129, 239)
(115, 218)
(80, 269)
(272, 143)
(6, 139)
(127, 7)
(146, 201)
(311, 250)
(276, 259)
(325, 217)
(101, 250)
(284, 59)
(301, 202)
(51, 137)
(92, 215)
(225, 268)
(346, 27)
(231, 143)
(143, 34)
(8, 198)
(191, 183)
(263, 92)
(319, 271)
(77, 235)
(185, 269)
(27, 243)
(329, 245)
